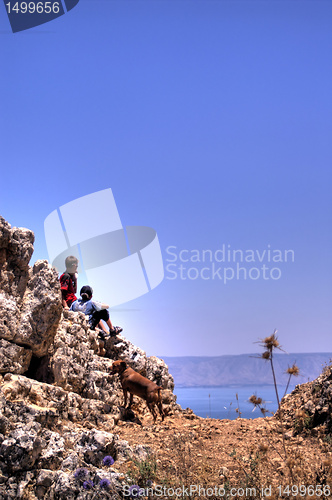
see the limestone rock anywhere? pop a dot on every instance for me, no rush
(41, 309)
(157, 370)
(95, 445)
(120, 348)
(76, 366)
(20, 450)
(30, 301)
(59, 403)
(310, 404)
(45, 403)
(16, 248)
(53, 453)
(13, 358)
(9, 316)
(44, 481)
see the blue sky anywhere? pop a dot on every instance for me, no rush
(211, 122)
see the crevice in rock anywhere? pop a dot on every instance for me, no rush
(40, 370)
(11, 341)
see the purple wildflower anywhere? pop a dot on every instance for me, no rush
(105, 483)
(88, 485)
(134, 491)
(108, 460)
(80, 473)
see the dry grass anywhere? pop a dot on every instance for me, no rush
(272, 457)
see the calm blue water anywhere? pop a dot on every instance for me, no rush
(220, 402)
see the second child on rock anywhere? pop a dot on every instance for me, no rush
(95, 310)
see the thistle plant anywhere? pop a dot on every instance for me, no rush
(108, 460)
(293, 371)
(134, 491)
(105, 484)
(270, 344)
(102, 487)
(238, 411)
(88, 485)
(258, 403)
(80, 473)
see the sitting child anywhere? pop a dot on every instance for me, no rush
(95, 310)
(68, 282)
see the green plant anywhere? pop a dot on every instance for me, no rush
(328, 438)
(142, 472)
(251, 467)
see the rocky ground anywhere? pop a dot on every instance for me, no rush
(243, 456)
(65, 435)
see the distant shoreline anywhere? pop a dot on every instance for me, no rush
(229, 386)
(252, 354)
(241, 370)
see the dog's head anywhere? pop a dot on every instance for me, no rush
(118, 366)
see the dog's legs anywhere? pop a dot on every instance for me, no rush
(152, 410)
(159, 403)
(161, 411)
(131, 400)
(125, 397)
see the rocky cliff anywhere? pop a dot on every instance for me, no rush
(59, 404)
(65, 435)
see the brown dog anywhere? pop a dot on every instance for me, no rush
(134, 383)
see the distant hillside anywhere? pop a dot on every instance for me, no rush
(243, 369)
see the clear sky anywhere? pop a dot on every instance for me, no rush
(211, 122)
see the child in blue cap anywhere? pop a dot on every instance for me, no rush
(96, 311)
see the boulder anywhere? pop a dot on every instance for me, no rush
(59, 403)
(13, 358)
(21, 448)
(30, 299)
(41, 309)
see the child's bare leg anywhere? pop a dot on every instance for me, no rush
(102, 326)
(109, 324)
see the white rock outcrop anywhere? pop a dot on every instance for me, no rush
(59, 404)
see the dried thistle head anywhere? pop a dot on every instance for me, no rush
(263, 447)
(266, 355)
(271, 342)
(293, 370)
(255, 400)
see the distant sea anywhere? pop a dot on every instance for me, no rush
(221, 402)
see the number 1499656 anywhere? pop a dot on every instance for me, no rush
(33, 7)
(303, 490)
